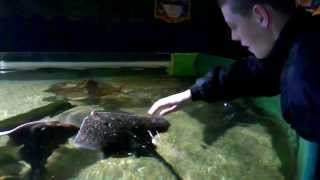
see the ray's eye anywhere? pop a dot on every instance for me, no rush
(93, 113)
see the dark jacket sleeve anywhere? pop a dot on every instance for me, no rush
(244, 78)
(301, 100)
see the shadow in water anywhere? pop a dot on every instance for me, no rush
(138, 144)
(220, 117)
(281, 143)
(280, 139)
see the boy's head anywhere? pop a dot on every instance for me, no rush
(256, 24)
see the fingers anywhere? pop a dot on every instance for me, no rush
(153, 108)
(158, 106)
(163, 110)
(168, 110)
(170, 103)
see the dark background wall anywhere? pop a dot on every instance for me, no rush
(110, 26)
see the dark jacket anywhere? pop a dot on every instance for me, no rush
(291, 69)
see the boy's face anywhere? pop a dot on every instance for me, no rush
(249, 31)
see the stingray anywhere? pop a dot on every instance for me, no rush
(103, 129)
(122, 134)
(41, 138)
(84, 90)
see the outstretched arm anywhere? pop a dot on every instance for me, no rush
(249, 77)
(244, 78)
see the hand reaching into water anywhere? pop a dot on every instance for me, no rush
(170, 104)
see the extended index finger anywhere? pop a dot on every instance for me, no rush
(154, 108)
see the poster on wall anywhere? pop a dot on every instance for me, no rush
(173, 11)
(311, 5)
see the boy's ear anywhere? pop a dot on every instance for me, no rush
(261, 15)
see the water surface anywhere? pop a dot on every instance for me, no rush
(205, 141)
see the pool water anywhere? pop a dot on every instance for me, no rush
(223, 140)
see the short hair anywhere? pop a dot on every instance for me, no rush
(243, 7)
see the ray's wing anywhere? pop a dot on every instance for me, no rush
(44, 120)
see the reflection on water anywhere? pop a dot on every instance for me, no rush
(224, 140)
